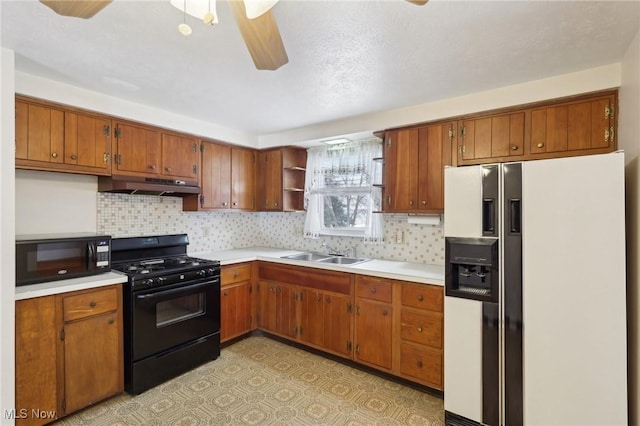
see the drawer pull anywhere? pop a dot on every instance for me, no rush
(153, 167)
(236, 274)
(168, 169)
(54, 154)
(74, 157)
(372, 290)
(420, 298)
(92, 304)
(514, 147)
(540, 145)
(419, 364)
(419, 329)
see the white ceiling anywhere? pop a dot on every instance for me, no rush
(346, 58)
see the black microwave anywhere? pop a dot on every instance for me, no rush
(50, 257)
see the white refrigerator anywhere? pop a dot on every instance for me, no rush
(535, 305)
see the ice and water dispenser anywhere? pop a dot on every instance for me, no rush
(471, 268)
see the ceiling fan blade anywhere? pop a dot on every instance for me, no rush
(262, 37)
(418, 2)
(77, 8)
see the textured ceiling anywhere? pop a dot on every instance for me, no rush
(346, 58)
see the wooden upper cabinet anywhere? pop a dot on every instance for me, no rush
(414, 161)
(270, 180)
(585, 125)
(54, 138)
(180, 156)
(137, 150)
(243, 178)
(87, 141)
(486, 138)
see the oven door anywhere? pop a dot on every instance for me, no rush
(166, 317)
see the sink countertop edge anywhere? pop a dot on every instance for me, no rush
(397, 270)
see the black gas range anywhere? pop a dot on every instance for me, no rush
(171, 308)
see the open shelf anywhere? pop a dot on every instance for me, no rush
(296, 168)
(294, 189)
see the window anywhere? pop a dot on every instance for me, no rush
(340, 195)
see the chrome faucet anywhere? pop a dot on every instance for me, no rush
(332, 251)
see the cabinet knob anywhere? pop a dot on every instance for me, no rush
(236, 274)
(275, 204)
(514, 147)
(225, 293)
(540, 145)
(385, 313)
(168, 169)
(419, 364)
(424, 202)
(111, 321)
(420, 298)
(410, 202)
(419, 329)
(224, 203)
(74, 157)
(235, 204)
(372, 290)
(92, 304)
(152, 167)
(319, 298)
(54, 154)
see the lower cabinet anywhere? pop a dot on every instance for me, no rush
(236, 301)
(390, 325)
(69, 353)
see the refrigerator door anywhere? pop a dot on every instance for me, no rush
(574, 291)
(463, 201)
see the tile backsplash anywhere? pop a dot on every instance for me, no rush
(123, 215)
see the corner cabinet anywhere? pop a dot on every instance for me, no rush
(150, 152)
(55, 138)
(227, 179)
(414, 161)
(69, 352)
(280, 176)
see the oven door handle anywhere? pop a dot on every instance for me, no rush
(161, 294)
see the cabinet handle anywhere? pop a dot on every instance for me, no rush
(514, 147)
(540, 145)
(54, 154)
(74, 157)
(328, 300)
(420, 298)
(372, 290)
(419, 329)
(236, 274)
(225, 293)
(111, 321)
(152, 167)
(424, 202)
(419, 364)
(357, 348)
(168, 169)
(92, 304)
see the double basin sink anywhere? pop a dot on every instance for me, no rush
(325, 258)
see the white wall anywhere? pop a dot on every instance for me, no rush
(49, 202)
(7, 232)
(629, 140)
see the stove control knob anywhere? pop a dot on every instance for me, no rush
(211, 271)
(161, 280)
(202, 273)
(148, 282)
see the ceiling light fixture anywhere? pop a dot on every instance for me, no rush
(255, 8)
(184, 29)
(336, 141)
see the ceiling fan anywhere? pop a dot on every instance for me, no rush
(254, 18)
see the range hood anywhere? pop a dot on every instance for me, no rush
(147, 186)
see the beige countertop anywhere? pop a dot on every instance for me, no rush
(407, 271)
(72, 284)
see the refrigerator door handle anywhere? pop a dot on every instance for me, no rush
(515, 216)
(488, 216)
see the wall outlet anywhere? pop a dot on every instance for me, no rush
(206, 231)
(399, 236)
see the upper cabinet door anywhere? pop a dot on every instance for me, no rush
(216, 175)
(137, 150)
(434, 153)
(243, 178)
(180, 157)
(87, 141)
(401, 170)
(39, 133)
(490, 138)
(270, 180)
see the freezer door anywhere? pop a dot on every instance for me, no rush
(574, 291)
(463, 201)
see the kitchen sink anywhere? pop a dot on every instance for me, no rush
(307, 256)
(340, 260)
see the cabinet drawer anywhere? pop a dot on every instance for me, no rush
(374, 288)
(423, 296)
(235, 273)
(423, 328)
(91, 303)
(424, 365)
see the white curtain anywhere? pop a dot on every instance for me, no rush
(341, 170)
